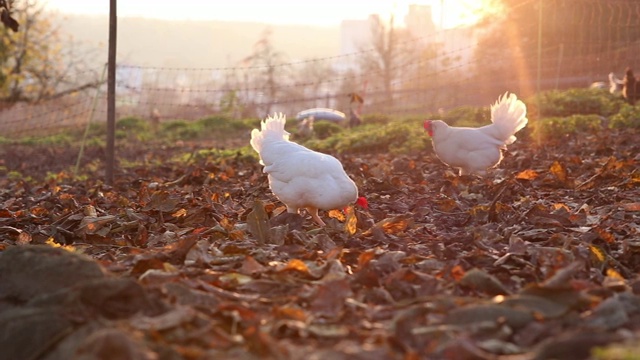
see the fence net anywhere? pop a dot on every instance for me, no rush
(582, 41)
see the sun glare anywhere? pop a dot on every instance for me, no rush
(449, 13)
(446, 13)
(463, 12)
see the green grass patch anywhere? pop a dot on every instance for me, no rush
(245, 153)
(325, 129)
(628, 117)
(580, 101)
(557, 127)
(61, 139)
(394, 136)
(565, 112)
(468, 116)
(206, 128)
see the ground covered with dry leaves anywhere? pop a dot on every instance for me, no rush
(198, 260)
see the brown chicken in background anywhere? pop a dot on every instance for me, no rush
(630, 87)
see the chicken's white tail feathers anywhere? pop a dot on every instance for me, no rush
(271, 128)
(509, 114)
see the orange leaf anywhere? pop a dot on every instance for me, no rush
(612, 165)
(200, 230)
(457, 272)
(274, 209)
(559, 171)
(297, 265)
(394, 225)
(350, 226)
(290, 312)
(180, 213)
(528, 174)
(236, 234)
(446, 205)
(605, 235)
(365, 258)
(39, 211)
(631, 206)
(66, 197)
(226, 224)
(336, 214)
(614, 274)
(598, 254)
(561, 206)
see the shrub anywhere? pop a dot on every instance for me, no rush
(376, 119)
(97, 129)
(132, 128)
(395, 137)
(628, 117)
(220, 123)
(254, 123)
(180, 129)
(556, 103)
(214, 122)
(468, 116)
(63, 138)
(556, 127)
(324, 129)
(132, 123)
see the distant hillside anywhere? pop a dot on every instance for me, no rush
(163, 43)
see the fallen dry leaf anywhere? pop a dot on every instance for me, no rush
(196, 259)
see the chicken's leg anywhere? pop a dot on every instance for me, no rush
(315, 217)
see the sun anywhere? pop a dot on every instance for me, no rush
(449, 13)
(462, 12)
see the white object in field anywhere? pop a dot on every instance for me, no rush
(321, 114)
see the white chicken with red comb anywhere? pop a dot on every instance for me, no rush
(300, 177)
(474, 150)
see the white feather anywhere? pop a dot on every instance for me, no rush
(474, 150)
(300, 177)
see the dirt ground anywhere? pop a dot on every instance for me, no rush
(198, 260)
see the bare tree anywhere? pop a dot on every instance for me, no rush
(389, 54)
(268, 64)
(318, 78)
(36, 64)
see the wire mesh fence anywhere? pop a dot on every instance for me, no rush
(573, 44)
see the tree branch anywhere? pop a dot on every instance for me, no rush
(16, 98)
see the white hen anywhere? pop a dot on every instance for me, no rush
(299, 177)
(474, 150)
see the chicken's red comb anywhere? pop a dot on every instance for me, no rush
(427, 124)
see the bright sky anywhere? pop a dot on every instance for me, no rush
(325, 13)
